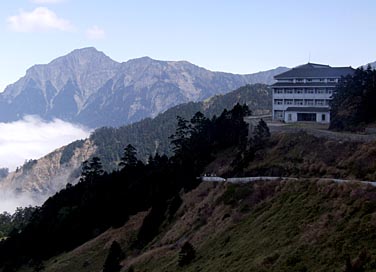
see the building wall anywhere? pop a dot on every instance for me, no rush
(292, 116)
(298, 96)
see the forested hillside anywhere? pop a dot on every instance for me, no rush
(102, 200)
(151, 136)
(353, 104)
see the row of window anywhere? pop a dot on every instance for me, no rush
(308, 80)
(303, 91)
(300, 116)
(306, 102)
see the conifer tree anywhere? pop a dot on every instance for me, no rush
(91, 169)
(130, 156)
(115, 255)
(187, 254)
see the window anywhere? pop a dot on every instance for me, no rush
(309, 102)
(323, 117)
(278, 91)
(278, 101)
(289, 91)
(329, 91)
(299, 80)
(298, 101)
(289, 117)
(332, 80)
(298, 91)
(309, 80)
(320, 102)
(278, 114)
(307, 117)
(310, 91)
(320, 91)
(289, 102)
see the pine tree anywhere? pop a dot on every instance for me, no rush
(130, 157)
(260, 135)
(180, 140)
(115, 255)
(91, 169)
(187, 254)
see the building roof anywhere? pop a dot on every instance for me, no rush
(301, 84)
(314, 70)
(308, 109)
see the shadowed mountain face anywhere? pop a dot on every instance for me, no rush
(88, 87)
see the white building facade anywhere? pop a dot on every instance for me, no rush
(304, 92)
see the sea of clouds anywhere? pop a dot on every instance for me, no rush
(32, 138)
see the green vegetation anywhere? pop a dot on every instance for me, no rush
(187, 254)
(68, 151)
(115, 255)
(353, 104)
(289, 226)
(16, 222)
(103, 200)
(151, 136)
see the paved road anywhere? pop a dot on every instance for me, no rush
(265, 178)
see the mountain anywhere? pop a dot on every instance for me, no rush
(43, 177)
(89, 88)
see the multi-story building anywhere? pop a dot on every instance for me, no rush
(303, 93)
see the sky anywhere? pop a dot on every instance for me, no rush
(238, 36)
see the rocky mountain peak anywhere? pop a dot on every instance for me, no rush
(88, 87)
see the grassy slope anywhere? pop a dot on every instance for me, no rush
(301, 226)
(299, 154)
(307, 225)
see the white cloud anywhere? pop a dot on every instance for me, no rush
(95, 33)
(39, 20)
(9, 201)
(46, 1)
(32, 138)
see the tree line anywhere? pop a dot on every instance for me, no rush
(353, 103)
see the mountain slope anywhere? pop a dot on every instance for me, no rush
(304, 225)
(49, 174)
(89, 88)
(281, 225)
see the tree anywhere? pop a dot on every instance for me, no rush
(187, 254)
(180, 139)
(260, 135)
(115, 255)
(91, 169)
(130, 157)
(352, 106)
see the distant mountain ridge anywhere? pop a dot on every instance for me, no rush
(87, 87)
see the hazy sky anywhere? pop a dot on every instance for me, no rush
(239, 36)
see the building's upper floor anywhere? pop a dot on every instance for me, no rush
(312, 74)
(309, 81)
